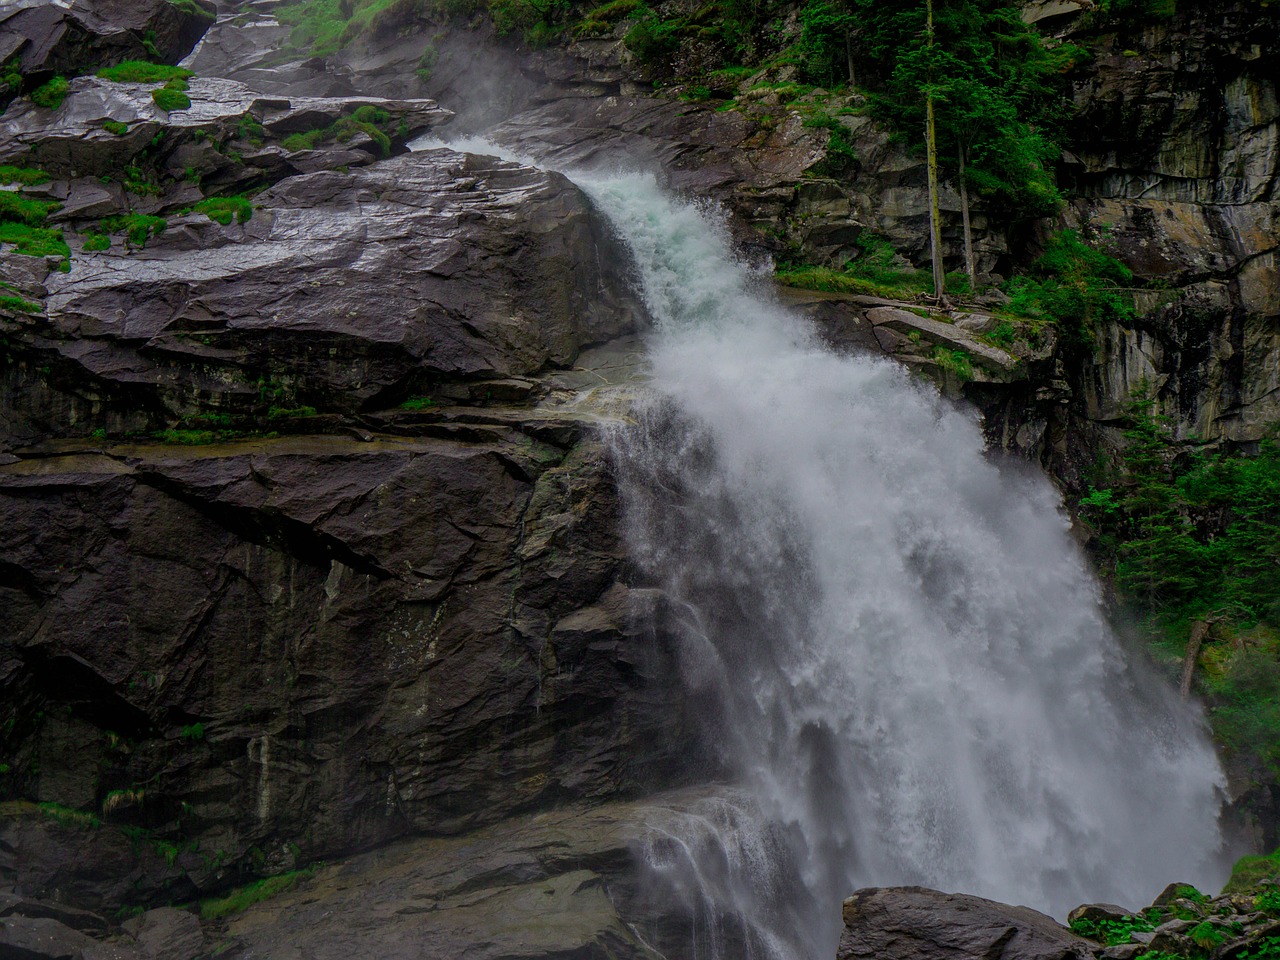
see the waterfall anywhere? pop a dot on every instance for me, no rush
(893, 646)
(901, 651)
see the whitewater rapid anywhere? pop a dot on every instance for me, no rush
(894, 646)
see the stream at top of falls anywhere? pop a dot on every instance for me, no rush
(889, 637)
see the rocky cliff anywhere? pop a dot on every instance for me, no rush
(312, 544)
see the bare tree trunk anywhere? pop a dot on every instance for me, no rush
(935, 217)
(969, 267)
(1198, 631)
(848, 56)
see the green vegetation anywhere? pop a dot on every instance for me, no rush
(69, 817)
(367, 120)
(1192, 537)
(140, 71)
(418, 403)
(223, 209)
(18, 305)
(1111, 932)
(37, 242)
(17, 208)
(878, 271)
(840, 158)
(22, 221)
(248, 128)
(1250, 871)
(51, 94)
(281, 413)
(168, 99)
(322, 27)
(97, 241)
(26, 176)
(1075, 285)
(1265, 948)
(115, 127)
(192, 8)
(194, 731)
(954, 361)
(186, 438)
(138, 228)
(246, 896)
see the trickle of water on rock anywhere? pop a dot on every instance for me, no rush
(891, 641)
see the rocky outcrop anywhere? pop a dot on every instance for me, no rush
(259, 649)
(313, 546)
(912, 923)
(1175, 156)
(343, 292)
(39, 39)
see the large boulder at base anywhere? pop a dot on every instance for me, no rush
(913, 923)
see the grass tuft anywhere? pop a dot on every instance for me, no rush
(245, 897)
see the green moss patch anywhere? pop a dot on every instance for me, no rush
(224, 209)
(246, 896)
(140, 71)
(51, 94)
(367, 120)
(169, 100)
(115, 127)
(18, 305)
(27, 176)
(17, 208)
(36, 241)
(138, 228)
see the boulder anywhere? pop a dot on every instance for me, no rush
(913, 923)
(42, 38)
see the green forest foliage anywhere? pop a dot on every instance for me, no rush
(1197, 537)
(1074, 284)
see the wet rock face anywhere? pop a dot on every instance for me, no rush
(41, 39)
(304, 646)
(342, 622)
(342, 292)
(1176, 154)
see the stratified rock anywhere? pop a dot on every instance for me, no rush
(913, 923)
(72, 141)
(44, 38)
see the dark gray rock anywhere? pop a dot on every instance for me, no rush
(43, 38)
(27, 938)
(71, 141)
(912, 923)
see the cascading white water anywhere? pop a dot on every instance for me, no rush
(905, 651)
(895, 646)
